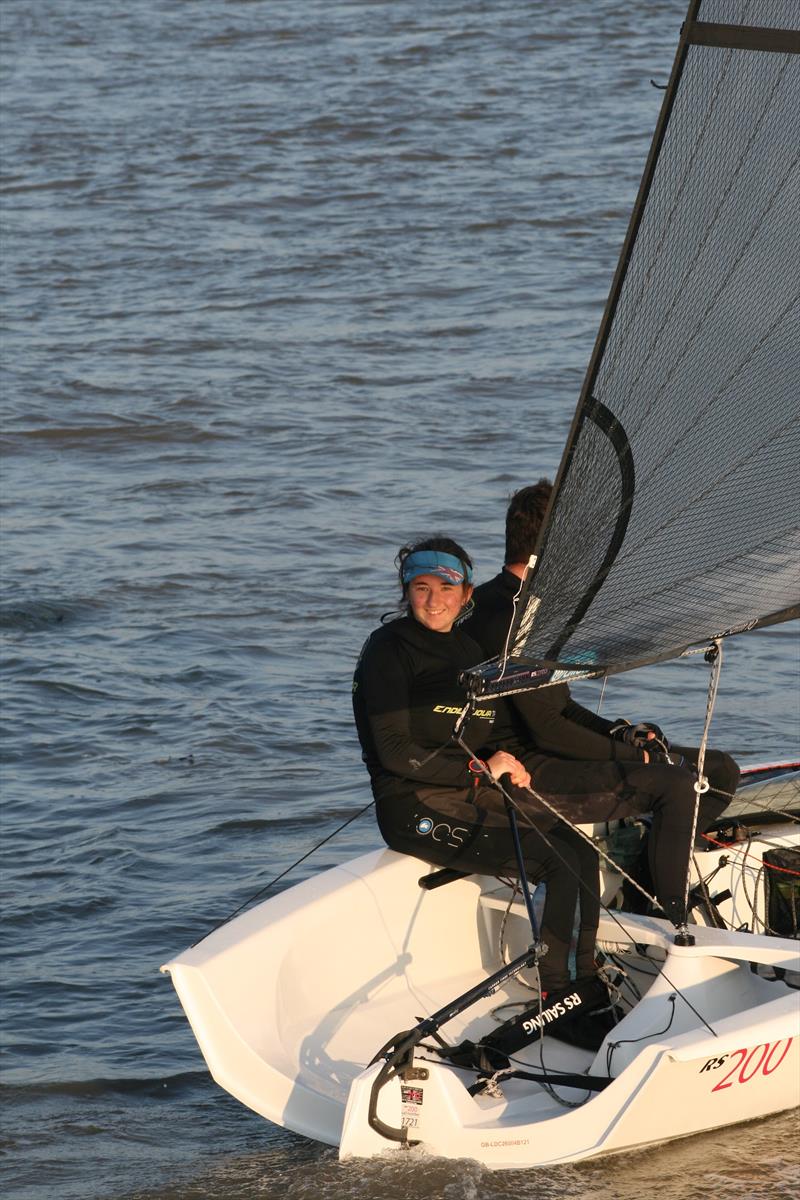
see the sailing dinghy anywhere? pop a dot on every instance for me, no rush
(291, 1000)
(325, 1008)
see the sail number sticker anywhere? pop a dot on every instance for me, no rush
(744, 1065)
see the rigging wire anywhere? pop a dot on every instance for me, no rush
(714, 656)
(751, 901)
(783, 813)
(283, 874)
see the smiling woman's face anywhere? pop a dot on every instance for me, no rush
(436, 603)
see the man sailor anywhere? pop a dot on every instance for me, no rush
(596, 769)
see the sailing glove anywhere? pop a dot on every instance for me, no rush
(639, 735)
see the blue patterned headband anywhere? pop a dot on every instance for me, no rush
(435, 562)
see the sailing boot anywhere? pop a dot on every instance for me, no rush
(577, 1013)
(588, 1028)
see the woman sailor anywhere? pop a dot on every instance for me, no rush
(431, 800)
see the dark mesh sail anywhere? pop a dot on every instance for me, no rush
(676, 509)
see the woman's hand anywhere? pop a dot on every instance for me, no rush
(502, 763)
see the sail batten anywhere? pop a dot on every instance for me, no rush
(674, 516)
(744, 37)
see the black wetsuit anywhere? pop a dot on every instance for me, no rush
(591, 776)
(406, 698)
(555, 722)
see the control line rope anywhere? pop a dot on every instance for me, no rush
(734, 849)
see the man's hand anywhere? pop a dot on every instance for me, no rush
(641, 735)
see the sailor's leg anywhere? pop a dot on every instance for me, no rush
(558, 867)
(589, 898)
(585, 792)
(469, 830)
(720, 769)
(668, 793)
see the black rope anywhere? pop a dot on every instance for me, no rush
(612, 1046)
(282, 875)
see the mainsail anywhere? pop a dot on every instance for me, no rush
(674, 516)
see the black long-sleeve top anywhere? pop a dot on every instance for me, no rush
(552, 721)
(406, 698)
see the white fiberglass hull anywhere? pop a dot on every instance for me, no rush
(290, 1002)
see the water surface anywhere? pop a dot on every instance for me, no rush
(283, 286)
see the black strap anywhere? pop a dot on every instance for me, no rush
(439, 878)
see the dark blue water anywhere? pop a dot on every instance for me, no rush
(284, 284)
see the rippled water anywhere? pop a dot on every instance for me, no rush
(283, 285)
